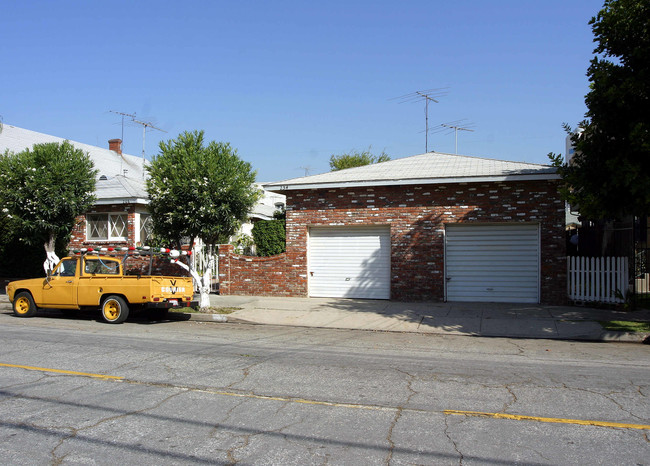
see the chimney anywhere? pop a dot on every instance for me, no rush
(116, 145)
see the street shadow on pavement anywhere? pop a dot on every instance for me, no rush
(142, 317)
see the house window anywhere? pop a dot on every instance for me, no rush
(107, 227)
(146, 228)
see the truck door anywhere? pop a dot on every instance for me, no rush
(59, 290)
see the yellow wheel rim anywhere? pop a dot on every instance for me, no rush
(22, 305)
(111, 310)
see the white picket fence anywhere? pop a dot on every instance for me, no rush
(597, 279)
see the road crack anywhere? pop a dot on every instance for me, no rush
(75, 431)
(508, 405)
(608, 396)
(398, 414)
(453, 442)
(245, 373)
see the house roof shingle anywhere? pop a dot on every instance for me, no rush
(108, 162)
(110, 190)
(120, 176)
(432, 167)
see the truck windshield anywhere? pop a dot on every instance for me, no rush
(67, 268)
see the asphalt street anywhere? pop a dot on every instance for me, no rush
(77, 391)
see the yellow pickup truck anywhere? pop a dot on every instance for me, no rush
(98, 282)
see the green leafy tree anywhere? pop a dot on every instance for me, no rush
(7, 232)
(609, 176)
(199, 191)
(43, 191)
(356, 159)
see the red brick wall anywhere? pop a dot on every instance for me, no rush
(265, 276)
(416, 216)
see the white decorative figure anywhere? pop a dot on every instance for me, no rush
(202, 282)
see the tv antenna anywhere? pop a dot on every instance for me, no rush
(455, 127)
(132, 116)
(307, 170)
(428, 95)
(145, 125)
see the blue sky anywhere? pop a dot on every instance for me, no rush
(290, 83)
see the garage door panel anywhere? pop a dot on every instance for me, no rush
(475, 269)
(483, 264)
(349, 262)
(501, 278)
(492, 263)
(495, 286)
(506, 252)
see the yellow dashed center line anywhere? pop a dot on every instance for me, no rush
(61, 371)
(514, 417)
(300, 400)
(518, 417)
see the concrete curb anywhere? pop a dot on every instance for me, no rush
(627, 337)
(197, 317)
(605, 336)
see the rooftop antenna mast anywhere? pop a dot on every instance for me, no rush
(145, 125)
(132, 116)
(455, 127)
(307, 170)
(428, 95)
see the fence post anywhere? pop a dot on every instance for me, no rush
(585, 279)
(623, 278)
(600, 295)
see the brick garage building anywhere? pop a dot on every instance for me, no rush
(428, 227)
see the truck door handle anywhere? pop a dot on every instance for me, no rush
(68, 281)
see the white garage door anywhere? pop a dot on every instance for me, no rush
(492, 263)
(349, 262)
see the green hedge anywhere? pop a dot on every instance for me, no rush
(269, 236)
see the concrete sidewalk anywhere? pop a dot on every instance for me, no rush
(474, 319)
(478, 319)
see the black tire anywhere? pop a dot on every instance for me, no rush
(24, 305)
(115, 310)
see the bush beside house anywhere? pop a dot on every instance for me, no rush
(269, 237)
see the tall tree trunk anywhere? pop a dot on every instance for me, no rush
(203, 283)
(204, 286)
(51, 258)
